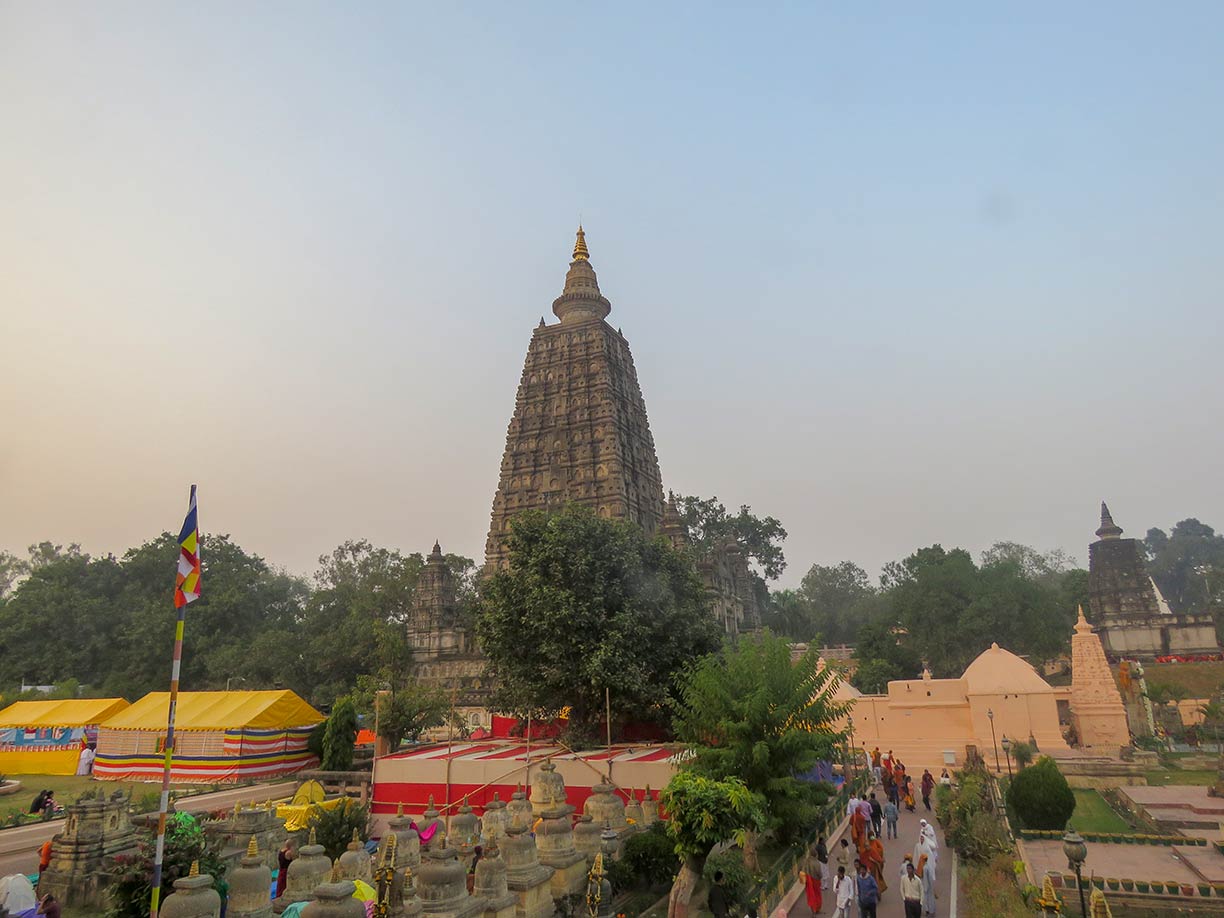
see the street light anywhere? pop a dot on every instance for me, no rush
(990, 717)
(1076, 852)
(229, 679)
(850, 723)
(1007, 744)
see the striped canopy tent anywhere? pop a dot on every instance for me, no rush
(219, 737)
(46, 737)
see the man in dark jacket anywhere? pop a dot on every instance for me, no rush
(718, 901)
(868, 893)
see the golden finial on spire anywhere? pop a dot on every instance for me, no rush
(399, 809)
(580, 247)
(312, 840)
(335, 873)
(252, 847)
(195, 869)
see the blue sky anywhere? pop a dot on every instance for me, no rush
(893, 275)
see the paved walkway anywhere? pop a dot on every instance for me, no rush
(894, 854)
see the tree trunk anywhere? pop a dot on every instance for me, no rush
(751, 858)
(680, 899)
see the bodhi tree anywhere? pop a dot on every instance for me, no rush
(589, 605)
(704, 812)
(752, 715)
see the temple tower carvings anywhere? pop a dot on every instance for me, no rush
(579, 433)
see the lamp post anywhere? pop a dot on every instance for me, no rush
(1007, 744)
(230, 679)
(1076, 852)
(850, 723)
(993, 739)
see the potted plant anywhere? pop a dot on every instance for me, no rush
(1204, 889)
(1112, 883)
(1128, 885)
(1142, 886)
(1098, 882)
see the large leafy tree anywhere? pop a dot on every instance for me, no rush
(752, 714)
(1187, 564)
(709, 525)
(590, 604)
(702, 813)
(949, 609)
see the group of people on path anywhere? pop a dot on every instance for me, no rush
(859, 876)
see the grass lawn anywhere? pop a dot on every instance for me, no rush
(69, 787)
(1201, 680)
(1093, 814)
(1178, 776)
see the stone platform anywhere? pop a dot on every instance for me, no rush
(1185, 810)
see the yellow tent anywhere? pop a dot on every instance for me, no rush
(46, 737)
(219, 736)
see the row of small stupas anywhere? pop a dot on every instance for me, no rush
(579, 434)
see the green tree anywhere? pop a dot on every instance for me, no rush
(359, 591)
(130, 888)
(1023, 753)
(406, 710)
(1041, 797)
(334, 828)
(835, 597)
(704, 812)
(751, 714)
(1187, 564)
(339, 736)
(872, 676)
(589, 605)
(12, 569)
(709, 525)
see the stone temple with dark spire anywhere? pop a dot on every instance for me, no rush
(579, 433)
(1125, 605)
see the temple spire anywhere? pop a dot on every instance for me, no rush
(1109, 529)
(580, 299)
(580, 247)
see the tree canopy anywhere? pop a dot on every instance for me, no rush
(709, 525)
(590, 604)
(1187, 564)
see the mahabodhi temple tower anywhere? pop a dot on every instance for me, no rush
(579, 433)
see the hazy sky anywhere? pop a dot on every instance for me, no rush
(896, 274)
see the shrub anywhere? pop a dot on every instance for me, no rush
(185, 842)
(650, 857)
(334, 827)
(1023, 754)
(737, 878)
(964, 811)
(1041, 797)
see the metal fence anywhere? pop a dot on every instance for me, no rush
(778, 880)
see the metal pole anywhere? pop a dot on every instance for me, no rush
(990, 717)
(608, 724)
(1079, 882)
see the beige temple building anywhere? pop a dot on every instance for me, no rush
(930, 723)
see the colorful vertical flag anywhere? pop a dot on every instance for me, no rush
(187, 581)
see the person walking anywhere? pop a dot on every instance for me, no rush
(868, 893)
(718, 901)
(928, 787)
(822, 862)
(843, 894)
(911, 892)
(891, 813)
(877, 815)
(842, 856)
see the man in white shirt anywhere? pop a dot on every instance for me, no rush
(852, 805)
(843, 894)
(911, 892)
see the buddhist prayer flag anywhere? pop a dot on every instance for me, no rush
(187, 581)
(186, 590)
